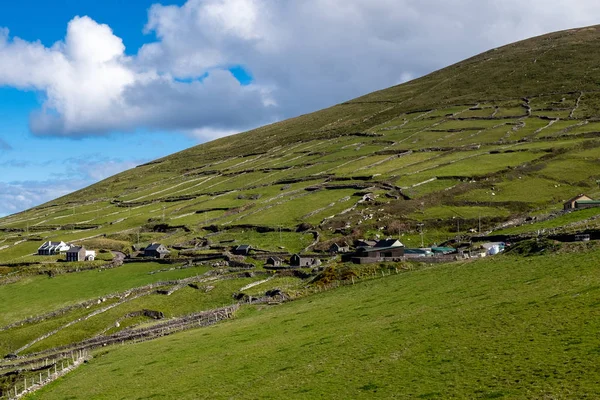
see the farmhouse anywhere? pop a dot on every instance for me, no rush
(302, 261)
(339, 248)
(274, 261)
(76, 253)
(579, 202)
(51, 248)
(242, 250)
(156, 250)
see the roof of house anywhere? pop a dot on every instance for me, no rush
(371, 249)
(50, 244)
(339, 244)
(243, 247)
(75, 249)
(304, 257)
(274, 258)
(367, 242)
(388, 243)
(576, 198)
(588, 201)
(154, 246)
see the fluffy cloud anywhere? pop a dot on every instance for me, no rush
(303, 55)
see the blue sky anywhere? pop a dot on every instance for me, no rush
(90, 88)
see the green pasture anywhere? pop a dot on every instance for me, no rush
(520, 333)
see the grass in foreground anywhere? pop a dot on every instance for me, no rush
(500, 328)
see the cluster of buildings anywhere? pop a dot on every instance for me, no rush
(73, 253)
(80, 253)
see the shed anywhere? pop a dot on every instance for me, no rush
(274, 261)
(303, 261)
(365, 243)
(156, 250)
(571, 204)
(242, 250)
(339, 248)
(381, 252)
(76, 253)
(579, 204)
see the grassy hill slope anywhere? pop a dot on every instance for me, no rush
(490, 146)
(503, 328)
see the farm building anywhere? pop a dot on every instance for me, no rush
(581, 201)
(52, 248)
(242, 250)
(156, 250)
(76, 253)
(303, 261)
(383, 250)
(339, 248)
(274, 261)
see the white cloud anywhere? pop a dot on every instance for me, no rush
(303, 55)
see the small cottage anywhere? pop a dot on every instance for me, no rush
(242, 250)
(364, 243)
(304, 261)
(339, 248)
(156, 250)
(76, 253)
(52, 248)
(274, 261)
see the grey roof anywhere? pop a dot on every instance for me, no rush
(274, 258)
(75, 249)
(154, 246)
(243, 247)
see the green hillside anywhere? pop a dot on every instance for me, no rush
(502, 328)
(484, 150)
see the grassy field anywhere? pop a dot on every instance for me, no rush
(499, 328)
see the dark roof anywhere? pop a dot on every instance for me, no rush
(75, 249)
(153, 246)
(243, 247)
(371, 249)
(386, 243)
(274, 258)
